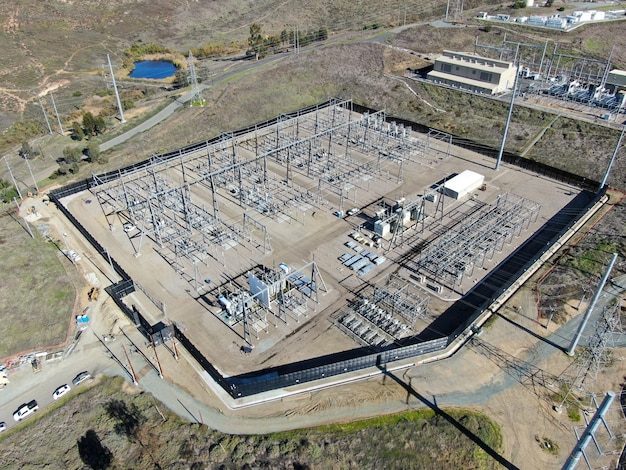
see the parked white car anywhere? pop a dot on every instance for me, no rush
(59, 392)
(24, 410)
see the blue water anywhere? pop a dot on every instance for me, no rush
(154, 69)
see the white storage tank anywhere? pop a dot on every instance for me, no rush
(462, 184)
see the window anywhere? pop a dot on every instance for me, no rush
(446, 68)
(474, 72)
(457, 67)
(485, 76)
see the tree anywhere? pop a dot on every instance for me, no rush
(100, 125)
(77, 131)
(7, 191)
(27, 152)
(93, 125)
(72, 155)
(93, 152)
(89, 123)
(181, 79)
(322, 34)
(255, 41)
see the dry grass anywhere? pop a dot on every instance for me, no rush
(36, 293)
(132, 431)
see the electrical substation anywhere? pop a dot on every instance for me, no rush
(320, 242)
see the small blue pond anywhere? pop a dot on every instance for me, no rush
(154, 69)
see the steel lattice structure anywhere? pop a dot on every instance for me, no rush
(476, 238)
(385, 314)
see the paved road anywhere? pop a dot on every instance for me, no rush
(236, 66)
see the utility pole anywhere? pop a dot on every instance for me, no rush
(606, 174)
(296, 40)
(589, 434)
(13, 178)
(45, 115)
(592, 304)
(135, 382)
(25, 221)
(508, 118)
(30, 170)
(156, 356)
(117, 95)
(57, 113)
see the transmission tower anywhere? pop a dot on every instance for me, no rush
(597, 354)
(196, 98)
(454, 10)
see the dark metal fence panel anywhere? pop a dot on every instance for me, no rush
(99, 248)
(69, 189)
(116, 292)
(272, 379)
(201, 359)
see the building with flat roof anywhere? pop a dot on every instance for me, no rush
(473, 73)
(617, 79)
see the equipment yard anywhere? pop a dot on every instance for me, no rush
(246, 246)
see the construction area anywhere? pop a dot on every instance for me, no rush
(318, 243)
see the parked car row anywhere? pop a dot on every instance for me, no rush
(26, 409)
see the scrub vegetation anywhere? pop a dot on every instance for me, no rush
(111, 428)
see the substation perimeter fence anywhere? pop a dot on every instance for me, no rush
(318, 368)
(508, 157)
(56, 195)
(201, 359)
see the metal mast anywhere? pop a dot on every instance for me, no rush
(508, 118)
(57, 113)
(606, 174)
(117, 95)
(45, 115)
(591, 306)
(454, 9)
(17, 188)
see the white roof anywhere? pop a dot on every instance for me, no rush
(464, 180)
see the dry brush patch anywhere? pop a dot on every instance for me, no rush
(107, 426)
